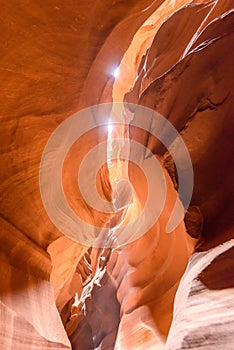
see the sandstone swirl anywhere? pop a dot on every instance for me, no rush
(161, 291)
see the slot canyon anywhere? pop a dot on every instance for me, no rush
(116, 192)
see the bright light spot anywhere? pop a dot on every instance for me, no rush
(110, 127)
(76, 301)
(116, 72)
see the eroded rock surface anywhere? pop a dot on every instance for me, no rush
(56, 58)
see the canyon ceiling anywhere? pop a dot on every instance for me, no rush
(159, 290)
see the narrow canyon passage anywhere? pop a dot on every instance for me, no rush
(116, 192)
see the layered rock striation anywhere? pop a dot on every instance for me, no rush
(161, 291)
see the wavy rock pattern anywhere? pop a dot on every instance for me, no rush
(203, 318)
(57, 58)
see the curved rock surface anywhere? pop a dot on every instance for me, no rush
(160, 291)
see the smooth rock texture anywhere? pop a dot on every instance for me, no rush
(196, 306)
(160, 291)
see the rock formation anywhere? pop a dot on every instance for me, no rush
(160, 291)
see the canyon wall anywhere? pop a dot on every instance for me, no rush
(161, 291)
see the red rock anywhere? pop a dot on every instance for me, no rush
(57, 58)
